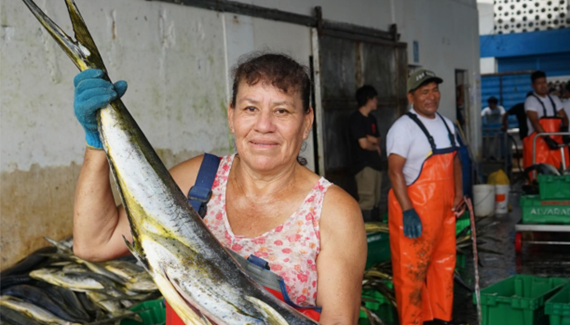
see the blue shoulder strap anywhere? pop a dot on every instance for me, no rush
(200, 193)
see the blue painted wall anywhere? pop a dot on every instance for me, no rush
(514, 89)
(525, 44)
(557, 64)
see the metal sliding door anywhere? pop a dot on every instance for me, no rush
(347, 64)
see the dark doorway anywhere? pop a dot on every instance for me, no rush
(347, 64)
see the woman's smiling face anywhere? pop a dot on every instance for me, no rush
(269, 125)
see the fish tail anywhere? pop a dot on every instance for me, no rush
(82, 51)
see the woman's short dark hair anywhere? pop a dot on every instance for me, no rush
(364, 93)
(278, 70)
(537, 75)
(492, 100)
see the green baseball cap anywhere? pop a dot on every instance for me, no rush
(419, 77)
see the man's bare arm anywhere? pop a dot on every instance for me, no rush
(505, 122)
(395, 172)
(564, 117)
(533, 118)
(369, 143)
(458, 204)
(98, 224)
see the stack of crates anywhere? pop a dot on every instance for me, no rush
(519, 300)
(552, 206)
(558, 307)
(378, 248)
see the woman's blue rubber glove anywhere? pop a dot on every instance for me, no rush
(91, 94)
(412, 224)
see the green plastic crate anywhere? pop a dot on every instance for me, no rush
(372, 300)
(378, 304)
(518, 300)
(535, 210)
(462, 222)
(553, 187)
(387, 313)
(378, 248)
(154, 315)
(460, 261)
(558, 307)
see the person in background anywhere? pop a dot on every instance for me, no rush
(425, 200)
(566, 99)
(493, 113)
(460, 105)
(518, 111)
(366, 152)
(544, 114)
(555, 89)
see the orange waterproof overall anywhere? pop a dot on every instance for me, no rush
(543, 153)
(423, 267)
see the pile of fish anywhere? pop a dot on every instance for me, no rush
(53, 286)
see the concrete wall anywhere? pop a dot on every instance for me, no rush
(486, 17)
(175, 62)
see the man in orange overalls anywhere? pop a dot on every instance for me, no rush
(545, 113)
(425, 199)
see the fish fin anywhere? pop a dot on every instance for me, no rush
(205, 320)
(272, 316)
(136, 254)
(177, 297)
(59, 245)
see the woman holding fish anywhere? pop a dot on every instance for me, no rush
(263, 201)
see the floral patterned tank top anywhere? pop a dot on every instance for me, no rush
(291, 249)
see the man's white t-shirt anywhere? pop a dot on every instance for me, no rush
(533, 104)
(493, 115)
(488, 111)
(406, 139)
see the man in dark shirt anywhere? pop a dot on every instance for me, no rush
(365, 150)
(518, 111)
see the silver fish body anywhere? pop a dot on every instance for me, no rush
(123, 269)
(75, 282)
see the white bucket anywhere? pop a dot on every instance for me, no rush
(502, 199)
(484, 200)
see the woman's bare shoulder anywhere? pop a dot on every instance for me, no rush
(339, 202)
(185, 173)
(341, 223)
